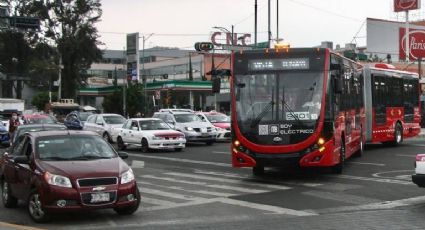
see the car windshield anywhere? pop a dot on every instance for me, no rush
(73, 147)
(153, 125)
(115, 119)
(24, 129)
(218, 118)
(187, 117)
(84, 116)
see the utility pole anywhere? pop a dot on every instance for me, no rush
(143, 72)
(269, 30)
(255, 26)
(277, 21)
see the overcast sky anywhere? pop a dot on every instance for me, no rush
(181, 23)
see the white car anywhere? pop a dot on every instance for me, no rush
(149, 133)
(105, 125)
(419, 177)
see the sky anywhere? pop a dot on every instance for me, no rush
(181, 23)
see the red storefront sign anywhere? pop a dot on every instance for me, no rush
(416, 43)
(403, 5)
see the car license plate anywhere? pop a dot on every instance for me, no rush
(99, 197)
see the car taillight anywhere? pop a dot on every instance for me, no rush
(420, 157)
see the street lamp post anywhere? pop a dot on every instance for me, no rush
(144, 39)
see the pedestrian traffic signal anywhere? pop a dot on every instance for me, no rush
(204, 46)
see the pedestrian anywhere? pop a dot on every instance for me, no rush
(13, 124)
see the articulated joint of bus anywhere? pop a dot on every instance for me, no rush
(317, 155)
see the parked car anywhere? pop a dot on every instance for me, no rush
(67, 171)
(38, 119)
(4, 136)
(187, 122)
(419, 177)
(221, 122)
(35, 128)
(76, 119)
(105, 124)
(149, 133)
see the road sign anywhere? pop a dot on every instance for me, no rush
(236, 48)
(262, 45)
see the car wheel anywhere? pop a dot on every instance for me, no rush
(9, 201)
(145, 146)
(107, 137)
(120, 143)
(129, 210)
(35, 208)
(178, 149)
(258, 170)
(337, 169)
(209, 142)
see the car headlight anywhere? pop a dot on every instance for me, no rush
(57, 180)
(157, 138)
(189, 128)
(127, 176)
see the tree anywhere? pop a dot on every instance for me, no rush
(70, 25)
(41, 99)
(135, 98)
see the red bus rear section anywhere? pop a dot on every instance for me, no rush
(392, 104)
(296, 107)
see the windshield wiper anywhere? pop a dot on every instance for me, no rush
(263, 113)
(89, 157)
(291, 112)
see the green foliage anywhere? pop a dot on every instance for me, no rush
(135, 101)
(41, 99)
(70, 25)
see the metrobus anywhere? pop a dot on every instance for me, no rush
(297, 106)
(392, 104)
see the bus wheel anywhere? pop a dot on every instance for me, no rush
(338, 168)
(258, 170)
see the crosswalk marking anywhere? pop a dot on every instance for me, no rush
(226, 187)
(195, 176)
(157, 201)
(167, 194)
(391, 181)
(182, 160)
(189, 190)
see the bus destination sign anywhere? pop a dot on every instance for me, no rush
(279, 64)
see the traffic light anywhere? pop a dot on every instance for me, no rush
(204, 46)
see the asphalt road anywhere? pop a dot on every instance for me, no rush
(198, 189)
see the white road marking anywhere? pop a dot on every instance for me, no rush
(418, 145)
(232, 175)
(218, 152)
(189, 190)
(382, 180)
(226, 187)
(157, 201)
(365, 163)
(167, 194)
(380, 205)
(233, 181)
(264, 207)
(137, 164)
(182, 160)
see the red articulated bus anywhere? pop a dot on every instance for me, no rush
(296, 106)
(392, 104)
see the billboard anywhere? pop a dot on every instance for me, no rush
(133, 56)
(404, 5)
(416, 43)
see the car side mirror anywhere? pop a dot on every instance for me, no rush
(123, 155)
(21, 160)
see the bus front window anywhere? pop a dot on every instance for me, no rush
(286, 99)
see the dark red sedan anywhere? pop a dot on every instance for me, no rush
(67, 170)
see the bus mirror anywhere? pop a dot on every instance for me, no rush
(216, 83)
(338, 85)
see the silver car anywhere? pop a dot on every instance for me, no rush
(105, 125)
(186, 121)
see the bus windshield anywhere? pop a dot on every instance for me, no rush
(267, 103)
